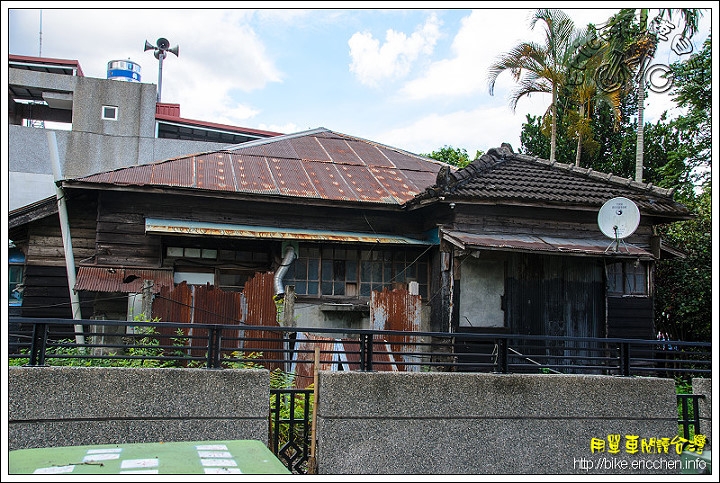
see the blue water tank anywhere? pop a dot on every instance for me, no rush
(123, 70)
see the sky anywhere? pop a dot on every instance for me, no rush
(411, 78)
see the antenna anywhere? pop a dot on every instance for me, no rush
(163, 46)
(40, 49)
(618, 219)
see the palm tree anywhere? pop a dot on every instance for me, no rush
(584, 92)
(539, 68)
(632, 44)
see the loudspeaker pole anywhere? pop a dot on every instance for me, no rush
(160, 53)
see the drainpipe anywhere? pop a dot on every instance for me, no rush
(65, 229)
(280, 273)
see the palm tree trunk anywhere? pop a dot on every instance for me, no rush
(578, 151)
(640, 147)
(553, 126)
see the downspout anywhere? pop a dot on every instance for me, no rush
(280, 273)
(67, 242)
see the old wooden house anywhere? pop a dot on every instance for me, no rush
(509, 243)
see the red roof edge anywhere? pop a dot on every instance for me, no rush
(166, 117)
(167, 109)
(48, 60)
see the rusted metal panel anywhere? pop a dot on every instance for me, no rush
(261, 310)
(97, 279)
(252, 174)
(212, 305)
(309, 149)
(370, 154)
(397, 185)
(339, 151)
(214, 174)
(173, 304)
(176, 173)
(398, 310)
(329, 182)
(335, 355)
(291, 178)
(366, 187)
(303, 358)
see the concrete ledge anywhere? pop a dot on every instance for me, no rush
(62, 406)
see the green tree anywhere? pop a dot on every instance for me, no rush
(540, 67)
(454, 156)
(630, 44)
(683, 299)
(693, 91)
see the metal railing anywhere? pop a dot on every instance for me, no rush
(38, 342)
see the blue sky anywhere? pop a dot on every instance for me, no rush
(410, 78)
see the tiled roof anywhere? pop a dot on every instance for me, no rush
(503, 177)
(317, 164)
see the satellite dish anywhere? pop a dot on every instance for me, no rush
(618, 218)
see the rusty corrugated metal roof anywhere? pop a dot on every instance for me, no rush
(319, 164)
(99, 279)
(546, 244)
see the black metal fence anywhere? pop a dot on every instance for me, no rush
(41, 342)
(37, 342)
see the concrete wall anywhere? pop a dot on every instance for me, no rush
(64, 406)
(369, 422)
(81, 154)
(704, 386)
(431, 423)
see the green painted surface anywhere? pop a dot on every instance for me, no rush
(187, 457)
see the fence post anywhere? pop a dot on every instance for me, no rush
(38, 345)
(624, 355)
(213, 353)
(366, 352)
(502, 356)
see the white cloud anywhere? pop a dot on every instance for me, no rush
(372, 62)
(476, 129)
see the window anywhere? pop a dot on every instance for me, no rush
(334, 271)
(627, 278)
(110, 113)
(189, 252)
(16, 261)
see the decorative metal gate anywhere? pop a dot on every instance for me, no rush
(289, 426)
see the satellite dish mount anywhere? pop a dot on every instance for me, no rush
(163, 47)
(618, 219)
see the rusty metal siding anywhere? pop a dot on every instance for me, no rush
(397, 310)
(261, 310)
(96, 279)
(173, 304)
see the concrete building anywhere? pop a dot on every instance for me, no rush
(100, 124)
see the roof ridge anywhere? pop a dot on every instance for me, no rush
(598, 175)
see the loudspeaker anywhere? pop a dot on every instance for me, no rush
(163, 43)
(148, 46)
(175, 50)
